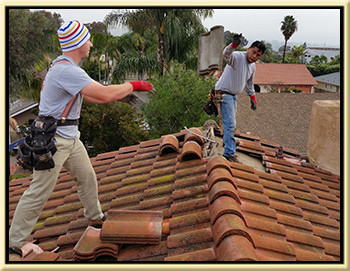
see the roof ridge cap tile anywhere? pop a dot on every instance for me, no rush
(230, 224)
(191, 150)
(168, 144)
(216, 162)
(195, 134)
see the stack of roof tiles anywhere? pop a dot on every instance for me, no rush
(213, 210)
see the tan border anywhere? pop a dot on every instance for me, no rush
(201, 267)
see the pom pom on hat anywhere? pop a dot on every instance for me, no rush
(72, 35)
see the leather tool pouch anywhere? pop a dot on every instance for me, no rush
(39, 147)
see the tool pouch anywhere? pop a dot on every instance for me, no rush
(210, 107)
(39, 147)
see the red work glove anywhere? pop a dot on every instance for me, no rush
(141, 86)
(253, 102)
(236, 41)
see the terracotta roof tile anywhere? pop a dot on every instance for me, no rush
(212, 209)
(236, 248)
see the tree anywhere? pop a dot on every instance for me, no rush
(107, 127)
(177, 30)
(135, 57)
(178, 101)
(289, 26)
(32, 40)
(296, 55)
(267, 55)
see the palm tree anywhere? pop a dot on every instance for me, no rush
(289, 26)
(174, 28)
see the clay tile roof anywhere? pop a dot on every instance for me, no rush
(285, 74)
(195, 208)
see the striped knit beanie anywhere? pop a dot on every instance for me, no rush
(72, 35)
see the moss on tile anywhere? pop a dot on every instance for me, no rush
(161, 180)
(60, 219)
(68, 207)
(38, 225)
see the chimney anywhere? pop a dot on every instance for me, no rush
(324, 135)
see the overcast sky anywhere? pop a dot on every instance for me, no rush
(316, 26)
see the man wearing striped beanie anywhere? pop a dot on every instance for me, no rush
(64, 81)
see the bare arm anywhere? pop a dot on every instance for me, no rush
(97, 93)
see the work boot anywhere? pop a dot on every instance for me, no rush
(15, 254)
(97, 223)
(232, 158)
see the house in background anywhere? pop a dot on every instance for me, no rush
(276, 77)
(21, 111)
(328, 82)
(311, 52)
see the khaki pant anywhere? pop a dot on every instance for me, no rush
(71, 154)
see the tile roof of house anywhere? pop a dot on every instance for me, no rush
(283, 74)
(212, 209)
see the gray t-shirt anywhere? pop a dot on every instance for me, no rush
(238, 74)
(62, 82)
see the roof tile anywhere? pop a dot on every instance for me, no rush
(265, 225)
(189, 238)
(189, 206)
(222, 175)
(236, 248)
(305, 255)
(168, 144)
(273, 244)
(203, 255)
(191, 150)
(294, 222)
(224, 205)
(305, 239)
(213, 209)
(223, 188)
(229, 224)
(258, 209)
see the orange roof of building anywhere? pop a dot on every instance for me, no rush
(283, 74)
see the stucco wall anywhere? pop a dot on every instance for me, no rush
(324, 135)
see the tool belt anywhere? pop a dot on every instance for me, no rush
(40, 145)
(226, 92)
(65, 122)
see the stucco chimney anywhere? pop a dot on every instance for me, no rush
(324, 135)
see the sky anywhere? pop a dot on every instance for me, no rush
(316, 26)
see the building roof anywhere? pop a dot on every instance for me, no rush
(21, 106)
(283, 74)
(212, 209)
(331, 78)
(280, 117)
